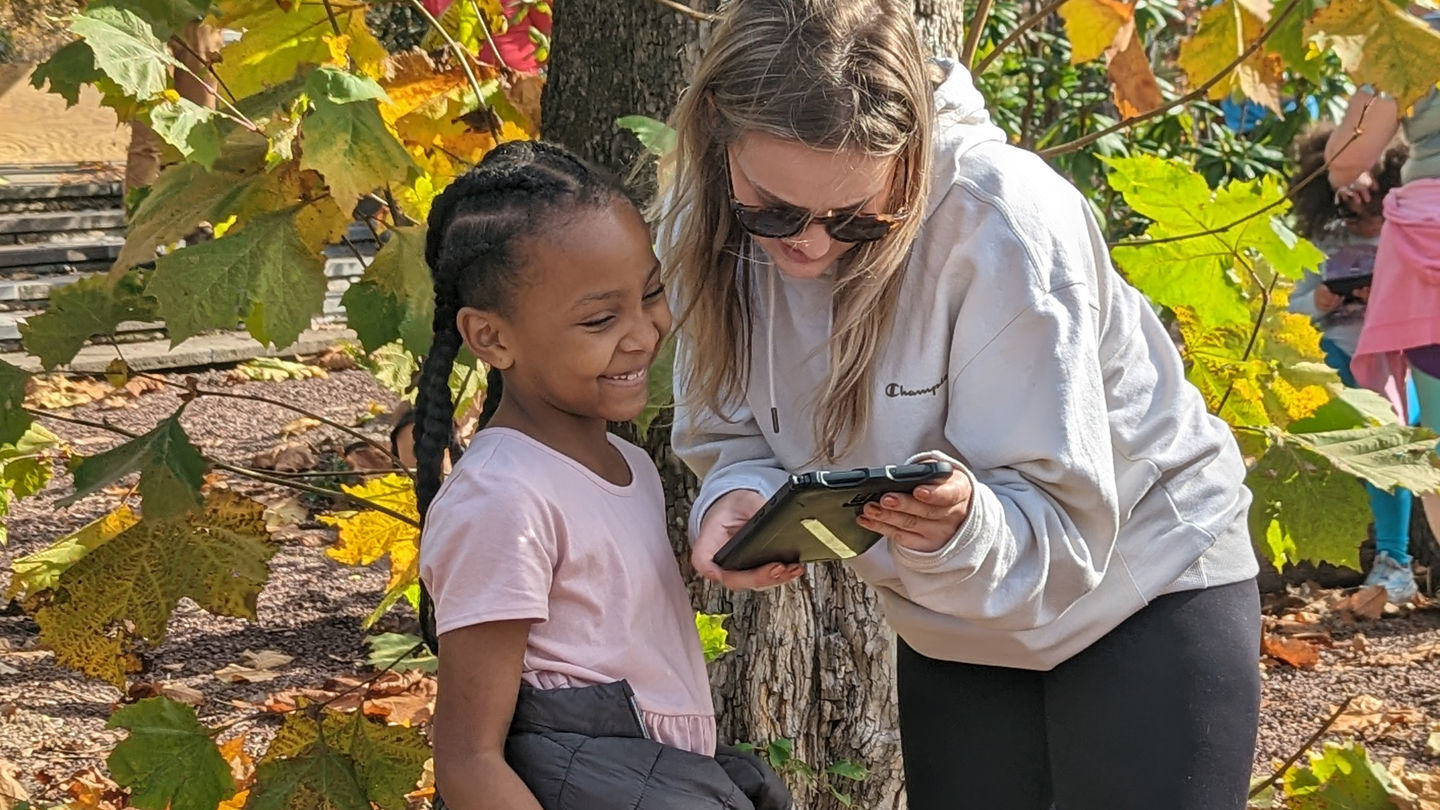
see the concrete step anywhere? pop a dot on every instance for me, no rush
(204, 350)
(59, 222)
(100, 248)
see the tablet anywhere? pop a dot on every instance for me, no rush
(812, 517)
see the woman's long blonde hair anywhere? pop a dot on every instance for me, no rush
(833, 75)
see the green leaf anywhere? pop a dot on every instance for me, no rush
(126, 49)
(264, 272)
(171, 470)
(714, 638)
(342, 87)
(188, 127)
(15, 421)
(1387, 456)
(166, 17)
(1381, 44)
(41, 571)
(1302, 502)
(394, 368)
(282, 39)
(1351, 408)
(659, 382)
(1292, 43)
(395, 296)
(1342, 777)
(848, 770)
(169, 761)
(69, 69)
(120, 595)
(24, 469)
(386, 761)
(350, 146)
(387, 648)
(322, 780)
(657, 137)
(82, 310)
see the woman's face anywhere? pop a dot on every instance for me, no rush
(770, 171)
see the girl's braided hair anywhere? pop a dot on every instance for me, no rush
(473, 245)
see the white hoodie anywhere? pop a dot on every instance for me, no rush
(1100, 480)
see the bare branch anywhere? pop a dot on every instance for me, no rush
(977, 27)
(693, 13)
(1295, 757)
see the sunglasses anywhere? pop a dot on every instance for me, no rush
(785, 221)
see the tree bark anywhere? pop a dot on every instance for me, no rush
(813, 661)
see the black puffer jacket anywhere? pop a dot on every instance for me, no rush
(585, 749)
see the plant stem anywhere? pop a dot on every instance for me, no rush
(1295, 757)
(1324, 168)
(1027, 24)
(1193, 95)
(460, 52)
(247, 472)
(485, 27)
(977, 27)
(1254, 330)
(692, 13)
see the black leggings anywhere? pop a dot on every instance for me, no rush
(1160, 713)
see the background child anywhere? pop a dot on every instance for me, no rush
(571, 674)
(1349, 234)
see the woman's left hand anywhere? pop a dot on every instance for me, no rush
(926, 519)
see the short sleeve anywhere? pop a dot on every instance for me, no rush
(488, 551)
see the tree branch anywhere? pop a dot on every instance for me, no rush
(692, 13)
(459, 49)
(1193, 95)
(489, 38)
(1289, 195)
(1295, 757)
(977, 27)
(246, 472)
(1254, 330)
(209, 67)
(1010, 39)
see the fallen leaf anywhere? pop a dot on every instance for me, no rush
(304, 424)
(6, 669)
(1297, 653)
(286, 513)
(1368, 717)
(1429, 651)
(1365, 604)
(293, 456)
(255, 667)
(1432, 743)
(183, 693)
(12, 793)
(58, 391)
(336, 358)
(366, 458)
(91, 790)
(242, 765)
(266, 659)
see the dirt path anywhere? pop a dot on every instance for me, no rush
(36, 126)
(52, 720)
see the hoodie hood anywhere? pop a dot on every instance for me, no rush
(961, 123)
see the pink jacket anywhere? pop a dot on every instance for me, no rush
(1404, 307)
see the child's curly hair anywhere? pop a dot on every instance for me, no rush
(1315, 206)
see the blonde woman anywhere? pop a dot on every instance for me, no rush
(865, 272)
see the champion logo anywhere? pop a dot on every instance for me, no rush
(894, 390)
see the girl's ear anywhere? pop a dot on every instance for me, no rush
(486, 336)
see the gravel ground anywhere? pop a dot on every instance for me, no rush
(52, 720)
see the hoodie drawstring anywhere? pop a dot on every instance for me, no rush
(770, 342)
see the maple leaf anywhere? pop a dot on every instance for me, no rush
(171, 470)
(265, 272)
(38, 572)
(366, 536)
(14, 419)
(382, 761)
(125, 48)
(122, 592)
(1388, 456)
(192, 129)
(24, 469)
(345, 139)
(1132, 78)
(1383, 45)
(281, 38)
(69, 69)
(1305, 507)
(1226, 30)
(1291, 42)
(400, 278)
(1339, 776)
(1092, 26)
(169, 761)
(79, 311)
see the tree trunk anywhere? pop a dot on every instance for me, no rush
(813, 661)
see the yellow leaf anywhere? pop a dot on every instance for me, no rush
(1226, 30)
(365, 537)
(276, 43)
(41, 571)
(339, 46)
(413, 83)
(1093, 25)
(236, 802)
(1381, 44)
(120, 596)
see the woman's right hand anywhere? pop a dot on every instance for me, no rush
(721, 521)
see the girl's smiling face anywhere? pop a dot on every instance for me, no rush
(770, 171)
(584, 322)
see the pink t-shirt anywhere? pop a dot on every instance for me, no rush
(521, 531)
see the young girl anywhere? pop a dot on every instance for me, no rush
(1349, 233)
(867, 271)
(570, 669)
